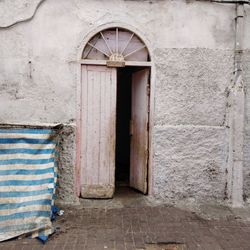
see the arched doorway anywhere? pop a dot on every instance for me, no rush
(114, 133)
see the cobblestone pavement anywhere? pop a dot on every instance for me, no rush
(139, 225)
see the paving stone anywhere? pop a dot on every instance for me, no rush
(126, 228)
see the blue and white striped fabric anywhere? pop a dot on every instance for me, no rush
(28, 175)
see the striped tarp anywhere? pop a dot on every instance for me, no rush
(28, 175)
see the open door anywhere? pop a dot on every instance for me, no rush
(139, 130)
(98, 118)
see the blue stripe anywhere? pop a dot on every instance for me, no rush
(23, 227)
(26, 161)
(26, 172)
(27, 131)
(54, 197)
(26, 140)
(26, 151)
(25, 194)
(26, 183)
(25, 215)
(24, 204)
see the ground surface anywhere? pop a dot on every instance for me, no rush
(131, 221)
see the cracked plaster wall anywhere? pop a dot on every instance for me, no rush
(192, 48)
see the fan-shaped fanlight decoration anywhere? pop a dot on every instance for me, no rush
(116, 46)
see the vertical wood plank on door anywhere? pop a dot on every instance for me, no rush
(113, 93)
(95, 128)
(103, 160)
(98, 131)
(83, 123)
(88, 131)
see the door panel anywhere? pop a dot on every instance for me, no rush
(98, 117)
(139, 130)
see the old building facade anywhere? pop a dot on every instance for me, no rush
(153, 93)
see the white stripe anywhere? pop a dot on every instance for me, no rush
(30, 136)
(24, 199)
(16, 233)
(26, 177)
(27, 166)
(13, 234)
(26, 156)
(25, 209)
(21, 221)
(24, 188)
(27, 145)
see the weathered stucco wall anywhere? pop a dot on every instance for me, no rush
(191, 138)
(66, 167)
(246, 80)
(192, 48)
(37, 57)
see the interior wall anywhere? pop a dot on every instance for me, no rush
(122, 124)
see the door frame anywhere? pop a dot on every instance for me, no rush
(79, 62)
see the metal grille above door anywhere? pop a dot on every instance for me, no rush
(116, 44)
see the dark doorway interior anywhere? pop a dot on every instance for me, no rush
(124, 77)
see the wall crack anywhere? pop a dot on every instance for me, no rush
(23, 20)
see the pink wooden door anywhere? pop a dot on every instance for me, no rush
(98, 118)
(139, 138)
